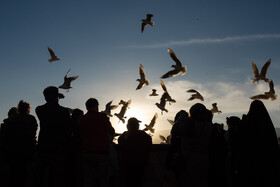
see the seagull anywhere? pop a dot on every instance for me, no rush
(154, 93)
(264, 70)
(108, 108)
(122, 102)
(53, 57)
(147, 21)
(267, 95)
(67, 81)
(171, 122)
(142, 79)
(164, 140)
(215, 109)
(166, 94)
(162, 103)
(196, 95)
(178, 68)
(121, 114)
(151, 125)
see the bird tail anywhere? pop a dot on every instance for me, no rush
(152, 23)
(123, 120)
(147, 82)
(50, 60)
(152, 130)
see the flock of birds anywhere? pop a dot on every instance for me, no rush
(178, 69)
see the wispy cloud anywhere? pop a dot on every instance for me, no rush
(209, 40)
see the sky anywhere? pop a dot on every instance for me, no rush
(102, 43)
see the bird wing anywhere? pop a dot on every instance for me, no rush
(67, 74)
(108, 106)
(174, 57)
(139, 85)
(260, 96)
(143, 25)
(191, 98)
(142, 72)
(162, 138)
(171, 121)
(271, 87)
(163, 85)
(51, 52)
(171, 73)
(265, 68)
(255, 69)
(192, 91)
(153, 121)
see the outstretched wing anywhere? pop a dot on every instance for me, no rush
(51, 52)
(162, 138)
(260, 96)
(255, 69)
(142, 72)
(265, 68)
(153, 121)
(174, 57)
(171, 73)
(192, 91)
(163, 85)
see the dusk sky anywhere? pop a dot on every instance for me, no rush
(101, 41)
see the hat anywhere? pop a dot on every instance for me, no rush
(52, 92)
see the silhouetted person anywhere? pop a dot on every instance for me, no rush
(234, 156)
(134, 146)
(261, 148)
(20, 130)
(195, 147)
(174, 156)
(53, 141)
(74, 160)
(95, 127)
(217, 154)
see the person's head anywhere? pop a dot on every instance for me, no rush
(198, 112)
(233, 121)
(52, 95)
(132, 125)
(77, 113)
(181, 115)
(92, 103)
(13, 112)
(24, 107)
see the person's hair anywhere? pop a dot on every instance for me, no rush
(12, 112)
(51, 93)
(233, 120)
(91, 103)
(132, 124)
(23, 107)
(198, 112)
(182, 114)
(77, 113)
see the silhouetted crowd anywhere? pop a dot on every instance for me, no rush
(77, 149)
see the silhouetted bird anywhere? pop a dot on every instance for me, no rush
(162, 103)
(215, 109)
(262, 75)
(178, 68)
(164, 140)
(166, 94)
(121, 114)
(53, 57)
(142, 79)
(154, 93)
(151, 125)
(196, 95)
(147, 21)
(67, 81)
(267, 95)
(122, 102)
(110, 107)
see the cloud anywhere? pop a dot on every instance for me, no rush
(232, 98)
(210, 40)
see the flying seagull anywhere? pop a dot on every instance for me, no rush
(142, 79)
(53, 57)
(166, 94)
(164, 140)
(178, 68)
(262, 75)
(109, 107)
(147, 21)
(121, 114)
(215, 109)
(151, 125)
(67, 81)
(267, 95)
(162, 103)
(154, 93)
(195, 95)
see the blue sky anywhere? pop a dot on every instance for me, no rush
(101, 41)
